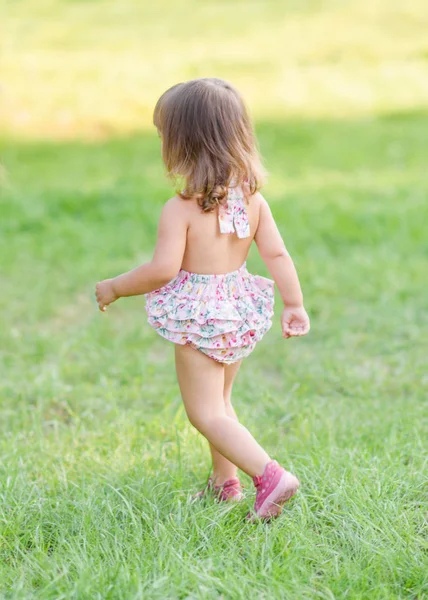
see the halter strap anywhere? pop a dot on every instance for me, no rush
(232, 215)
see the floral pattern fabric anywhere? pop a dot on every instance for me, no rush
(232, 215)
(223, 316)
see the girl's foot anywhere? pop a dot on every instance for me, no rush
(229, 491)
(274, 488)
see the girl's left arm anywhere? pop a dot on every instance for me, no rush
(163, 267)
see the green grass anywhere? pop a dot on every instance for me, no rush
(97, 460)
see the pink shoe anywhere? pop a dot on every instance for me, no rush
(229, 491)
(274, 488)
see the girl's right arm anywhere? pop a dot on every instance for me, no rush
(163, 267)
(294, 320)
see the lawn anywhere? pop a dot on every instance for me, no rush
(97, 460)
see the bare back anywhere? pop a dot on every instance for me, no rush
(210, 251)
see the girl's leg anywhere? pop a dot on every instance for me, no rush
(223, 469)
(201, 382)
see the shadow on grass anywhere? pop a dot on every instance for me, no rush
(340, 184)
(353, 191)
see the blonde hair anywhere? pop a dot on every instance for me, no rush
(208, 140)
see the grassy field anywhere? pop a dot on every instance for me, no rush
(97, 460)
(92, 68)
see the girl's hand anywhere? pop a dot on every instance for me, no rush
(295, 322)
(105, 294)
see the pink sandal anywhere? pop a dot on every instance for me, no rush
(274, 488)
(229, 491)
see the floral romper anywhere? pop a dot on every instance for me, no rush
(223, 316)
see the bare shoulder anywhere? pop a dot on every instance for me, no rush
(256, 202)
(255, 199)
(177, 208)
(258, 198)
(175, 203)
(262, 204)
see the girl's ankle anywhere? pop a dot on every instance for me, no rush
(219, 479)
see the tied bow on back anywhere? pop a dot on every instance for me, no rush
(232, 215)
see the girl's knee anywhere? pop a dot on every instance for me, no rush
(204, 423)
(197, 420)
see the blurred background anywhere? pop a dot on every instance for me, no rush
(88, 402)
(81, 69)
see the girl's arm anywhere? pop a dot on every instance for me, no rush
(295, 320)
(163, 267)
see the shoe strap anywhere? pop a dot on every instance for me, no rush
(234, 482)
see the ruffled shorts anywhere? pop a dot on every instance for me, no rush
(223, 316)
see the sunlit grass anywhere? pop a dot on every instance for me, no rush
(87, 69)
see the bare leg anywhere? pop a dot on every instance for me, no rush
(201, 382)
(223, 469)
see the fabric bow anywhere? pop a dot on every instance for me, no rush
(232, 215)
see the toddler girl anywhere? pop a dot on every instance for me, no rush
(199, 294)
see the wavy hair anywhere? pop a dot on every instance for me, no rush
(208, 140)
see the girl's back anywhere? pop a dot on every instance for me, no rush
(207, 249)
